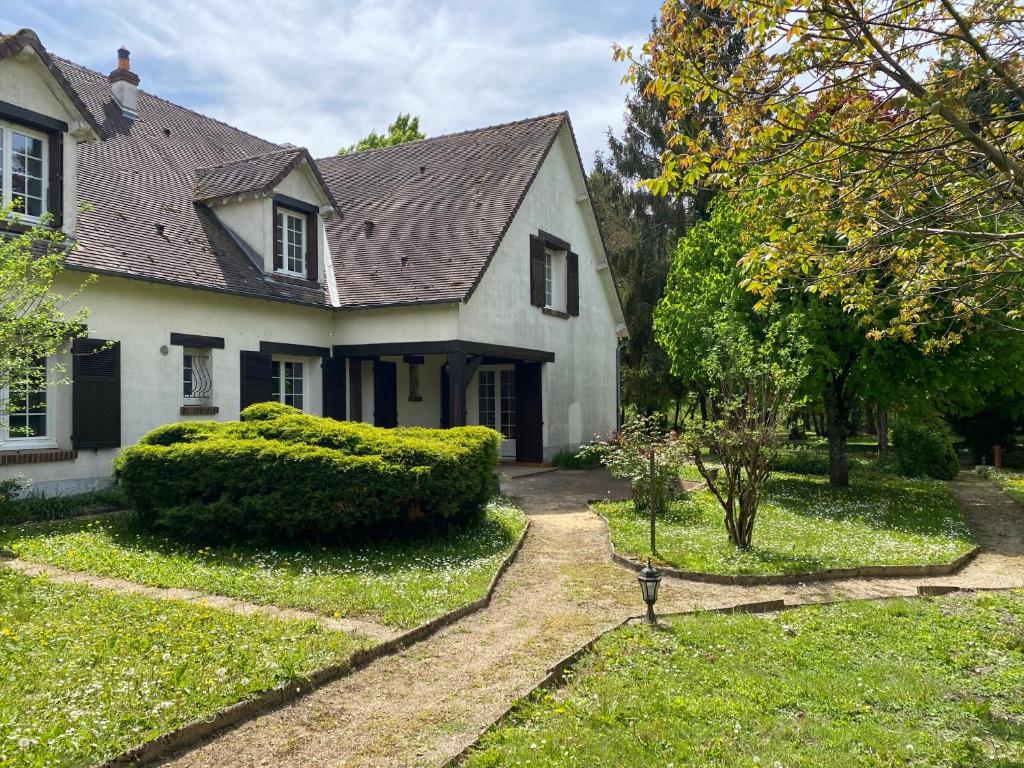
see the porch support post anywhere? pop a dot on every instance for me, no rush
(457, 383)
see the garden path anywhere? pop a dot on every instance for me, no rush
(427, 703)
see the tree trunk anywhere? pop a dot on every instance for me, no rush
(703, 400)
(871, 425)
(883, 433)
(675, 418)
(837, 415)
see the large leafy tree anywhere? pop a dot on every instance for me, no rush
(841, 365)
(34, 318)
(893, 130)
(405, 128)
(641, 229)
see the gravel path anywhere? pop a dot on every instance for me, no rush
(424, 705)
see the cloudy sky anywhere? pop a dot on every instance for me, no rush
(323, 74)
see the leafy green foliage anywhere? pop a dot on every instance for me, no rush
(36, 508)
(34, 322)
(914, 683)
(305, 477)
(923, 449)
(405, 128)
(1012, 483)
(891, 131)
(628, 457)
(585, 457)
(400, 582)
(88, 674)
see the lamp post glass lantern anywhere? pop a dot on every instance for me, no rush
(650, 579)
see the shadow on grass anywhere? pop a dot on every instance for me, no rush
(481, 538)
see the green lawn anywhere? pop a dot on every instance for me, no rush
(917, 683)
(400, 584)
(804, 525)
(88, 674)
(1012, 482)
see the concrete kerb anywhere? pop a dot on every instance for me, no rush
(832, 574)
(197, 731)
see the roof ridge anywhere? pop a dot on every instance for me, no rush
(248, 158)
(174, 104)
(563, 114)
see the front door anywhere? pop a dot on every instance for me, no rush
(529, 412)
(496, 393)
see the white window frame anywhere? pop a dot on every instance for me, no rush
(285, 214)
(203, 400)
(556, 265)
(6, 129)
(282, 361)
(11, 442)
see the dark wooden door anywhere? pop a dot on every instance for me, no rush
(446, 406)
(529, 413)
(385, 393)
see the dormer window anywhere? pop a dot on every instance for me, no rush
(293, 239)
(296, 229)
(23, 171)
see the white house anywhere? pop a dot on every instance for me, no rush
(456, 280)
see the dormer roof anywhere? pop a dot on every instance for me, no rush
(257, 175)
(26, 41)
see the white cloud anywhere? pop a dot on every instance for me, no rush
(323, 74)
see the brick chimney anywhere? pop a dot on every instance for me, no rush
(124, 84)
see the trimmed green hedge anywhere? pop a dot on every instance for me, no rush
(280, 473)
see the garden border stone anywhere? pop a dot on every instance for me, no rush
(196, 731)
(831, 574)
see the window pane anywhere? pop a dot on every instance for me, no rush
(27, 173)
(275, 380)
(486, 399)
(508, 404)
(26, 405)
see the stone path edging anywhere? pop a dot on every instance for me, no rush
(831, 574)
(198, 730)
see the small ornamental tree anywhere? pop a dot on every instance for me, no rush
(752, 396)
(33, 321)
(628, 457)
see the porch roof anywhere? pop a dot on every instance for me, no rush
(441, 348)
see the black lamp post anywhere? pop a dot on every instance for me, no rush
(650, 579)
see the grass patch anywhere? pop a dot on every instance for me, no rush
(38, 508)
(400, 583)
(88, 674)
(1012, 482)
(858, 685)
(805, 525)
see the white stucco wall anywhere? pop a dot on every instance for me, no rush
(426, 322)
(142, 316)
(579, 388)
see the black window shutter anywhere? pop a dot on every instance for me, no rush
(312, 246)
(256, 373)
(572, 283)
(55, 204)
(536, 271)
(334, 387)
(95, 394)
(278, 240)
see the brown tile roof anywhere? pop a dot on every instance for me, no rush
(139, 183)
(439, 209)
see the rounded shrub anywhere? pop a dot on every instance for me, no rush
(923, 449)
(267, 411)
(297, 476)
